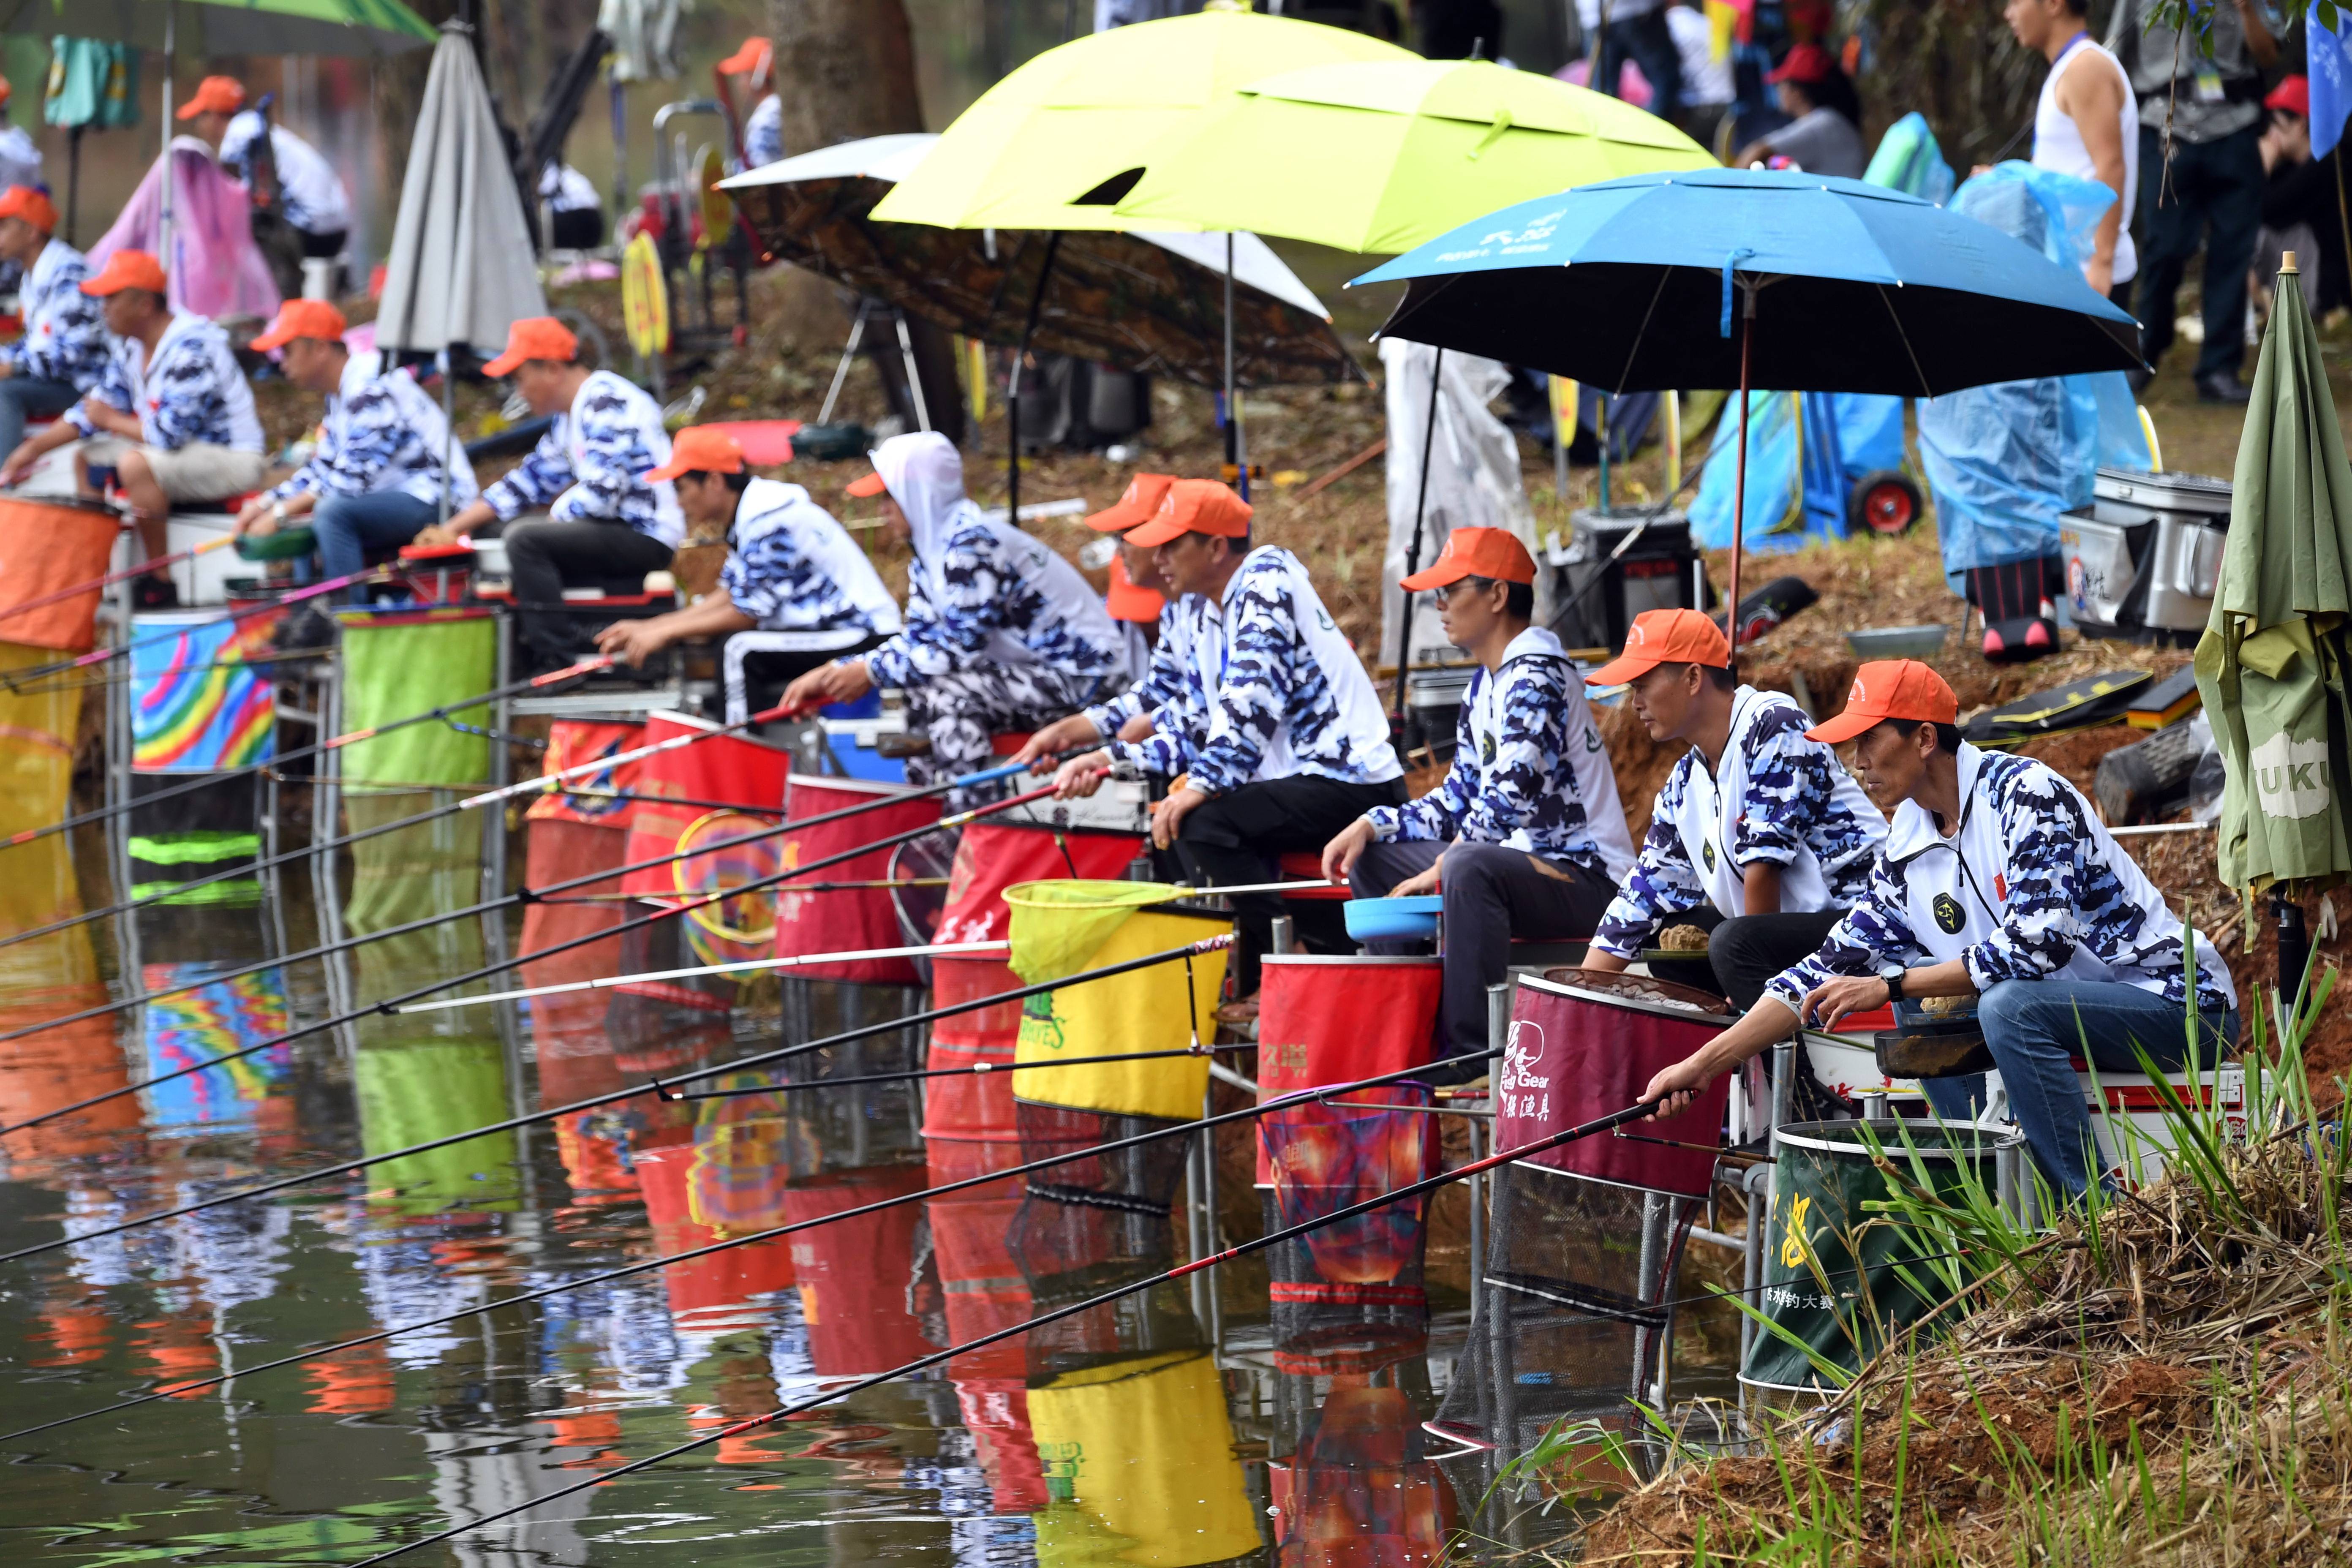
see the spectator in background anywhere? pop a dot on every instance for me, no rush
(2200, 172)
(763, 128)
(1636, 30)
(63, 352)
(309, 195)
(20, 160)
(2086, 124)
(2303, 208)
(576, 212)
(1707, 87)
(1822, 136)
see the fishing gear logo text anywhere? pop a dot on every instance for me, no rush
(1524, 1093)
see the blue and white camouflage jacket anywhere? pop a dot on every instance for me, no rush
(191, 391)
(65, 333)
(990, 592)
(1774, 796)
(1278, 687)
(1166, 690)
(589, 467)
(792, 568)
(381, 432)
(2032, 886)
(1531, 771)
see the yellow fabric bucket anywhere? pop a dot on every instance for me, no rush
(1138, 1456)
(1061, 927)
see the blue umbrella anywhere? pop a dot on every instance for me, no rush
(1633, 284)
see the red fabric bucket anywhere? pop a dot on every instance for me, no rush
(730, 769)
(976, 1106)
(861, 917)
(1334, 1020)
(1580, 1052)
(852, 1273)
(574, 743)
(993, 856)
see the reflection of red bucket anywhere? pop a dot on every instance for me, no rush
(980, 1279)
(574, 1051)
(994, 855)
(1335, 1020)
(854, 1273)
(859, 917)
(972, 1105)
(996, 1411)
(730, 769)
(1580, 1052)
(726, 1278)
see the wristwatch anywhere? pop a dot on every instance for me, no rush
(277, 513)
(1894, 980)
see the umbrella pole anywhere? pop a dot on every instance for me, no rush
(2293, 954)
(1413, 547)
(1235, 474)
(1013, 386)
(1739, 488)
(448, 427)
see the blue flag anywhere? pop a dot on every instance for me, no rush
(2331, 81)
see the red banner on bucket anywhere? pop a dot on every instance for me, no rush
(575, 742)
(994, 855)
(728, 770)
(853, 918)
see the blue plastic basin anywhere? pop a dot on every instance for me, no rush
(1389, 920)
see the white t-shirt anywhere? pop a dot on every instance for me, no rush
(1705, 80)
(315, 200)
(566, 190)
(2058, 141)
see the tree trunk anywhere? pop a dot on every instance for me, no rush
(851, 65)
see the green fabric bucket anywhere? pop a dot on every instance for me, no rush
(399, 664)
(1835, 1261)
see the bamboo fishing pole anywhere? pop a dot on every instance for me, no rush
(880, 1206)
(836, 1395)
(520, 896)
(657, 1086)
(392, 1004)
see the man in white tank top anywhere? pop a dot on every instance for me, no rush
(2087, 125)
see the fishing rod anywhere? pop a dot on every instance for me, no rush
(632, 797)
(657, 1086)
(336, 743)
(880, 1206)
(48, 688)
(973, 1069)
(520, 894)
(879, 883)
(390, 1004)
(836, 1395)
(97, 583)
(606, 982)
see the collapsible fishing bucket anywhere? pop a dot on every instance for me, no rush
(713, 1287)
(585, 799)
(396, 664)
(195, 705)
(858, 918)
(990, 856)
(716, 770)
(973, 1105)
(53, 544)
(1360, 1279)
(1061, 928)
(41, 722)
(1325, 1020)
(1835, 1262)
(852, 1273)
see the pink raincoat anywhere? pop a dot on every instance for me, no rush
(215, 269)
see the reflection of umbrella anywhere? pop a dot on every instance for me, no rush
(1629, 285)
(1142, 302)
(1380, 155)
(1049, 134)
(2271, 663)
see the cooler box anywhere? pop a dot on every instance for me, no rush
(2143, 560)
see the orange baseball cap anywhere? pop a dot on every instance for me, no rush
(751, 59)
(1665, 636)
(700, 449)
(1194, 506)
(1890, 688)
(1134, 507)
(872, 484)
(24, 202)
(302, 318)
(1126, 602)
(1494, 552)
(5, 89)
(533, 337)
(214, 95)
(126, 270)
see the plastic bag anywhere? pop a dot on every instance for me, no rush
(1908, 160)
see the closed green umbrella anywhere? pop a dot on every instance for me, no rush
(2270, 665)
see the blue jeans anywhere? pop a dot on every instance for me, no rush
(2032, 1027)
(22, 398)
(350, 526)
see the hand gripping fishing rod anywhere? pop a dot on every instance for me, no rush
(834, 1396)
(513, 688)
(657, 1086)
(320, 1352)
(393, 1004)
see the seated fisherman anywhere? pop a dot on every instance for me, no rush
(172, 416)
(374, 480)
(606, 525)
(1001, 634)
(63, 352)
(1997, 881)
(1526, 837)
(795, 592)
(1291, 744)
(1758, 837)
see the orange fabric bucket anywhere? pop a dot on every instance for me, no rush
(53, 546)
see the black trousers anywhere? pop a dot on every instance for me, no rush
(1745, 952)
(1492, 895)
(545, 557)
(2211, 195)
(1234, 840)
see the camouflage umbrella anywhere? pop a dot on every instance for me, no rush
(2270, 665)
(1153, 302)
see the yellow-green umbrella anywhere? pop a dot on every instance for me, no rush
(1088, 114)
(1382, 155)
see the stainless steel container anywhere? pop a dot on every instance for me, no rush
(2143, 560)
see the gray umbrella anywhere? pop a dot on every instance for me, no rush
(461, 268)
